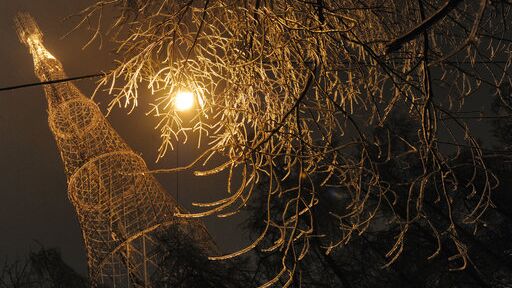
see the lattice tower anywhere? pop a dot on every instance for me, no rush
(121, 209)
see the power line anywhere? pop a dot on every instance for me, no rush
(52, 81)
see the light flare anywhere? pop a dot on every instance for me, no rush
(184, 100)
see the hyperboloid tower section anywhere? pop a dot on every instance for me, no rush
(121, 209)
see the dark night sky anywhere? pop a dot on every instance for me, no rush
(34, 207)
(33, 198)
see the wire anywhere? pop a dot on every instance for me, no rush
(51, 82)
(177, 174)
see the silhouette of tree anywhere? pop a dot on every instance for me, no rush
(186, 265)
(43, 269)
(361, 262)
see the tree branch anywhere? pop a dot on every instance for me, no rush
(397, 43)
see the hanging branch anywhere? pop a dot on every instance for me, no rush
(397, 43)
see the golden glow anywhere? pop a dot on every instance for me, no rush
(37, 48)
(184, 100)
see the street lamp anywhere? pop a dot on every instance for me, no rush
(184, 100)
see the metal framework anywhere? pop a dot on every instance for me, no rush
(121, 208)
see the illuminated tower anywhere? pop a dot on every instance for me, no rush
(121, 209)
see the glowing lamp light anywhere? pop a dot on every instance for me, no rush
(184, 100)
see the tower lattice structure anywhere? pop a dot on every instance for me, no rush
(121, 208)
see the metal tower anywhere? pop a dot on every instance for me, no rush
(121, 209)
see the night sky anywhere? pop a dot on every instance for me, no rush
(34, 208)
